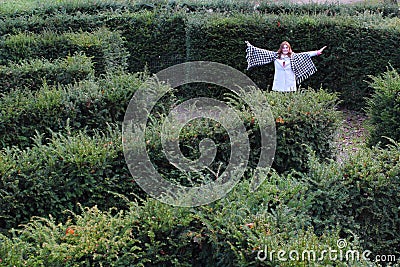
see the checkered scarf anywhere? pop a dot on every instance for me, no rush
(301, 63)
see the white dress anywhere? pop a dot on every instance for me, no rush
(284, 77)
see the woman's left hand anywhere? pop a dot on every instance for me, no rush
(320, 51)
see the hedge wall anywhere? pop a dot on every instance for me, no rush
(32, 73)
(174, 33)
(229, 232)
(93, 7)
(360, 46)
(383, 109)
(361, 195)
(49, 179)
(304, 118)
(89, 104)
(105, 47)
(154, 40)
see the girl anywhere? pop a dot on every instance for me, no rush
(290, 68)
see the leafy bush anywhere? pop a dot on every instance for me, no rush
(221, 38)
(31, 74)
(383, 108)
(48, 179)
(89, 104)
(154, 234)
(104, 47)
(304, 119)
(155, 40)
(93, 7)
(229, 232)
(361, 196)
(161, 34)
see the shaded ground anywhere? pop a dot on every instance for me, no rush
(352, 134)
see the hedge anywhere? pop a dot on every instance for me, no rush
(357, 39)
(32, 73)
(361, 195)
(383, 109)
(313, 210)
(91, 106)
(155, 40)
(93, 7)
(71, 169)
(163, 37)
(105, 47)
(230, 232)
(88, 104)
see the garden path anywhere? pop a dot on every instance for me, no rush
(352, 134)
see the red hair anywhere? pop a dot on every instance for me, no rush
(281, 47)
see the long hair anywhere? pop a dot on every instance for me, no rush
(281, 47)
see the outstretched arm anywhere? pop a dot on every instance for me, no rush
(257, 56)
(316, 52)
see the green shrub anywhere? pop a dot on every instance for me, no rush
(304, 119)
(161, 36)
(229, 232)
(221, 38)
(155, 40)
(31, 74)
(153, 234)
(89, 104)
(104, 47)
(383, 108)
(71, 169)
(361, 196)
(92, 7)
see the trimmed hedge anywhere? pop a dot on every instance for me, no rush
(71, 169)
(343, 67)
(155, 40)
(93, 7)
(362, 196)
(88, 104)
(176, 33)
(304, 120)
(105, 48)
(91, 106)
(33, 73)
(230, 232)
(383, 109)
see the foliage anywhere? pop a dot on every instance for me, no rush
(361, 196)
(154, 234)
(88, 104)
(305, 120)
(383, 108)
(71, 169)
(221, 38)
(64, 182)
(104, 47)
(31, 74)
(93, 7)
(229, 232)
(159, 34)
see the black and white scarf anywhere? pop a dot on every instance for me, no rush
(301, 63)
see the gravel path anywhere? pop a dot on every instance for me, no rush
(352, 134)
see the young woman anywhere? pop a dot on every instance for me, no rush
(290, 68)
